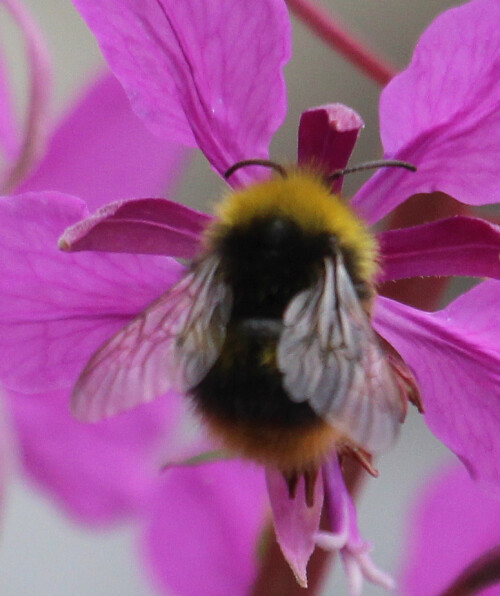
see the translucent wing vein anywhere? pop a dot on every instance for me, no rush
(329, 356)
(173, 343)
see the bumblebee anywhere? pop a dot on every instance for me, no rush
(268, 332)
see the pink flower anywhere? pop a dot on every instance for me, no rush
(105, 472)
(213, 79)
(108, 471)
(452, 524)
(100, 149)
(21, 149)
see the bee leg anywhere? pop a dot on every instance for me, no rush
(363, 457)
(407, 383)
(310, 477)
(292, 480)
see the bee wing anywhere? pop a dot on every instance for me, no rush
(329, 356)
(173, 343)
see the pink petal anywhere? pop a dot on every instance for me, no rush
(203, 75)
(452, 523)
(455, 356)
(458, 50)
(57, 308)
(96, 472)
(341, 511)
(456, 246)
(327, 136)
(443, 115)
(202, 537)
(101, 152)
(295, 524)
(345, 535)
(145, 226)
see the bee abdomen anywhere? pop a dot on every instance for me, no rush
(245, 385)
(244, 403)
(290, 450)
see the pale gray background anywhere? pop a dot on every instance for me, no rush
(44, 554)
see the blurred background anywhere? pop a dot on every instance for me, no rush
(42, 553)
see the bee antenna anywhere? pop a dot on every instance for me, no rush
(266, 163)
(371, 165)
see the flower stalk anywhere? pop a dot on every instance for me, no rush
(40, 77)
(337, 37)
